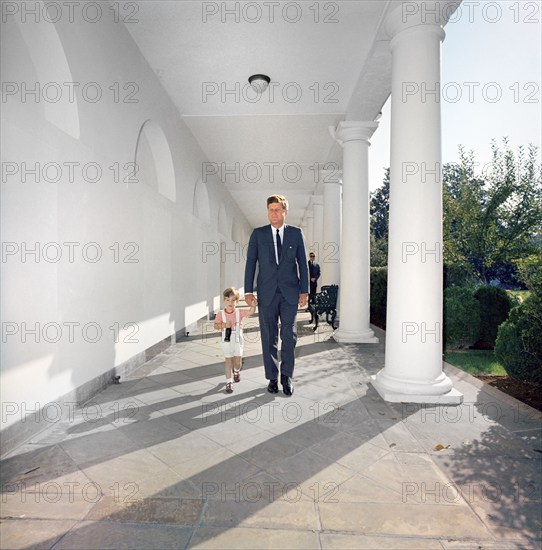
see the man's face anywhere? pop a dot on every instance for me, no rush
(311, 257)
(276, 214)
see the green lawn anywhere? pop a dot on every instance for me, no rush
(475, 362)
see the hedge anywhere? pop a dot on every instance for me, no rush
(461, 317)
(495, 305)
(519, 341)
(379, 295)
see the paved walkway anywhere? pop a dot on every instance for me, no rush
(167, 459)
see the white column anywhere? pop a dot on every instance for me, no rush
(303, 226)
(309, 235)
(354, 293)
(330, 256)
(317, 202)
(413, 360)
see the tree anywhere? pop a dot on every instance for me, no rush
(530, 271)
(380, 200)
(380, 204)
(491, 221)
(379, 252)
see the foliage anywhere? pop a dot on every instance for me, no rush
(493, 220)
(379, 251)
(458, 275)
(379, 295)
(519, 341)
(530, 272)
(380, 200)
(461, 317)
(517, 296)
(380, 204)
(495, 305)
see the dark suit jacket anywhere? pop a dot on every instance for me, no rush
(314, 271)
(291, 276)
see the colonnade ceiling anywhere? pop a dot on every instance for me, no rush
(326, 60)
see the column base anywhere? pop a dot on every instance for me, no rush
(416, 393)
(355, 336)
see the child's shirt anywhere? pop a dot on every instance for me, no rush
(231, 317)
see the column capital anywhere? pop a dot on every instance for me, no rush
(421, 15)
(354, 130)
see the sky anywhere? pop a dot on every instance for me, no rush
(497, 46)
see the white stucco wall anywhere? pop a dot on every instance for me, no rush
(155, 280)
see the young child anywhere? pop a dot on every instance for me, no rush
(230, 322)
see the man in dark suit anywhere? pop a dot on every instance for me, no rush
(314, 275)
(283, 284)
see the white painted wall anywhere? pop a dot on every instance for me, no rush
(169, 284)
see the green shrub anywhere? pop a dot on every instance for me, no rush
(495, 306)
(461, 317)
(379, 295)
(519, 341)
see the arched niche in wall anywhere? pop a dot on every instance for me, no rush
(237, 233)
(223, 221)
(153, 160)
(57, 89)
(201, 207)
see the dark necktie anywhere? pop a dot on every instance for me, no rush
(279, 245)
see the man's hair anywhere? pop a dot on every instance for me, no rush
(231, 291)
(278, 198)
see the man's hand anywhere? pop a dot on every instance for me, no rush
(303, 299)
(251, 301)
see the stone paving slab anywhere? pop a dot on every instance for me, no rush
(435, 520)
(169, 511)
(167, 459)
(124, 536)
(360, 542)
(35, 534)
(253, 539)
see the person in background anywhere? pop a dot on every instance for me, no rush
(314, 275)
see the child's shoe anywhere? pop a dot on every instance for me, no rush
(236, 376)
(229, 387)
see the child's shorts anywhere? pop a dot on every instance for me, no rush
(233, 348)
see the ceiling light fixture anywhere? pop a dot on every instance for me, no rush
(259, 82)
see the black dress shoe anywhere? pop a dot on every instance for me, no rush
(287, 385)
(273, 386)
